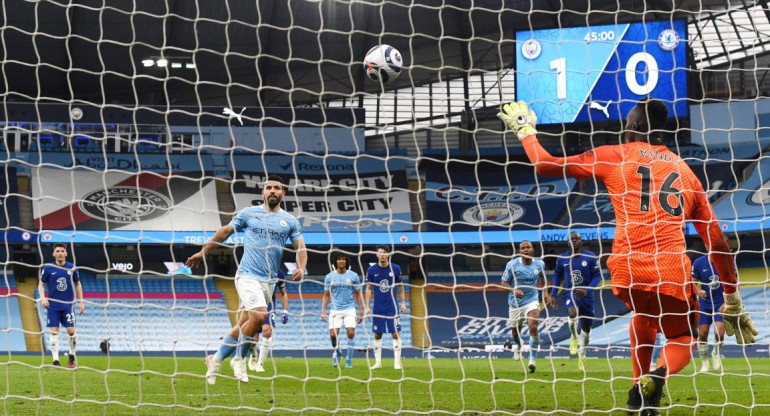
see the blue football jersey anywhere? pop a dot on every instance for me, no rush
(342, 286)
(383, 280)
(582, 270)
(60, 282)
(266, 234)
(523, 277)
(703, 271)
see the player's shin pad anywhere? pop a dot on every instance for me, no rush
(737, 320)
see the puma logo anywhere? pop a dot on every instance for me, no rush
(596, 106)
(232, 114)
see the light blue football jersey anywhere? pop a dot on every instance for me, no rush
(523, 277)
(342, 287)
(265, 236)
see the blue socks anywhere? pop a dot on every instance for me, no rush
(227, 348)
(244, 345)
(533, 345)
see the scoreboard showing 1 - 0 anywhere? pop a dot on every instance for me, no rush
(598, 73)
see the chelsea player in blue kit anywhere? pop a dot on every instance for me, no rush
(525, 275)
(342, 286)
(62, 282)
(267, 229)
(381, 278)
(579, 270)
(710, 299)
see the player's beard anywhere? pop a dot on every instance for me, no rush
(274, 203)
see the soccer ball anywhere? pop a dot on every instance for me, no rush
(383, 63)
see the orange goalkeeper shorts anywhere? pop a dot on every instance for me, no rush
(675, 317)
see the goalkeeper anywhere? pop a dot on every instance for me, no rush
(653, 193)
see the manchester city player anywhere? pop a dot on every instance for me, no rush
(580, 273)
(62, 282)
(710, 299)
(381, 278)
(525, 275)
(342, 286)
(267, 228)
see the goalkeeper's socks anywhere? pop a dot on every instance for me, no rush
(227, 348)
(678, 352)
(244, 346)
(534, 342)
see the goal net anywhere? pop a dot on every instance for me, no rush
(133, 131)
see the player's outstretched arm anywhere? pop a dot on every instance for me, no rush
(220, 236)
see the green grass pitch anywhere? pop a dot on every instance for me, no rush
(168, 386)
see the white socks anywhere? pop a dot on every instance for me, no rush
(264, 348)
(583, 340)
(573, 327)
(73, 343)
(397, 350)
(703, 350)
(55, 346)
(378, 350)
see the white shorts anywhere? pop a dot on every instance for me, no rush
(518, 316)
(346, 316)
(253, 293)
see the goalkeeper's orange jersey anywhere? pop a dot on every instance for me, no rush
(653, 194)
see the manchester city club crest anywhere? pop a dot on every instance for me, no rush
(125, 204)
(499, 213)
(531, 49)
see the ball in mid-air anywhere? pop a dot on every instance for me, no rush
(383, 63)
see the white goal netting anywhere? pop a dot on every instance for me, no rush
(132, 131)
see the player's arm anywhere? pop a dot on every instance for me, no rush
(556, 283)
(542, 286)
(359, 297)
(402, 296)
(79, 291)
(324, 303)
(301, 250)
(41, 291)
(368, 299)
(507, 282)
(737, 321)
(221, 235)
(284, 305)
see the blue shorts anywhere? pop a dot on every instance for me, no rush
(63, 317)
(585, 307)
(386, 325)
(709, 314)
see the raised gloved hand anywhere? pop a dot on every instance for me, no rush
(737, 320)
(285, 317)
(519, 119)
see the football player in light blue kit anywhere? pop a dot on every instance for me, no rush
(267, 229)
(580, 273)
(525, 275)
(62, 280)
(710, 299)
(343, 287)
(381, 278)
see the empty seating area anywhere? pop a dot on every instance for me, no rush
(11, 333)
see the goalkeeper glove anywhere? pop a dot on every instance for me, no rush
(285, 317)
(737, 320)
(519, 119)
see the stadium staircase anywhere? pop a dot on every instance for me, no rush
(29, 318)
(225, 200)
(227, 287)
(419, 305)
(26, 221)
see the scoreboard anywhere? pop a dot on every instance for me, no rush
(598, 73)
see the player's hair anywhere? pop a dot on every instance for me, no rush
(655, 112)
(383, 247)
(57, 245)
(341, 255)
(274, 178)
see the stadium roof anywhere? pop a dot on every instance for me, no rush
(272, 53)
